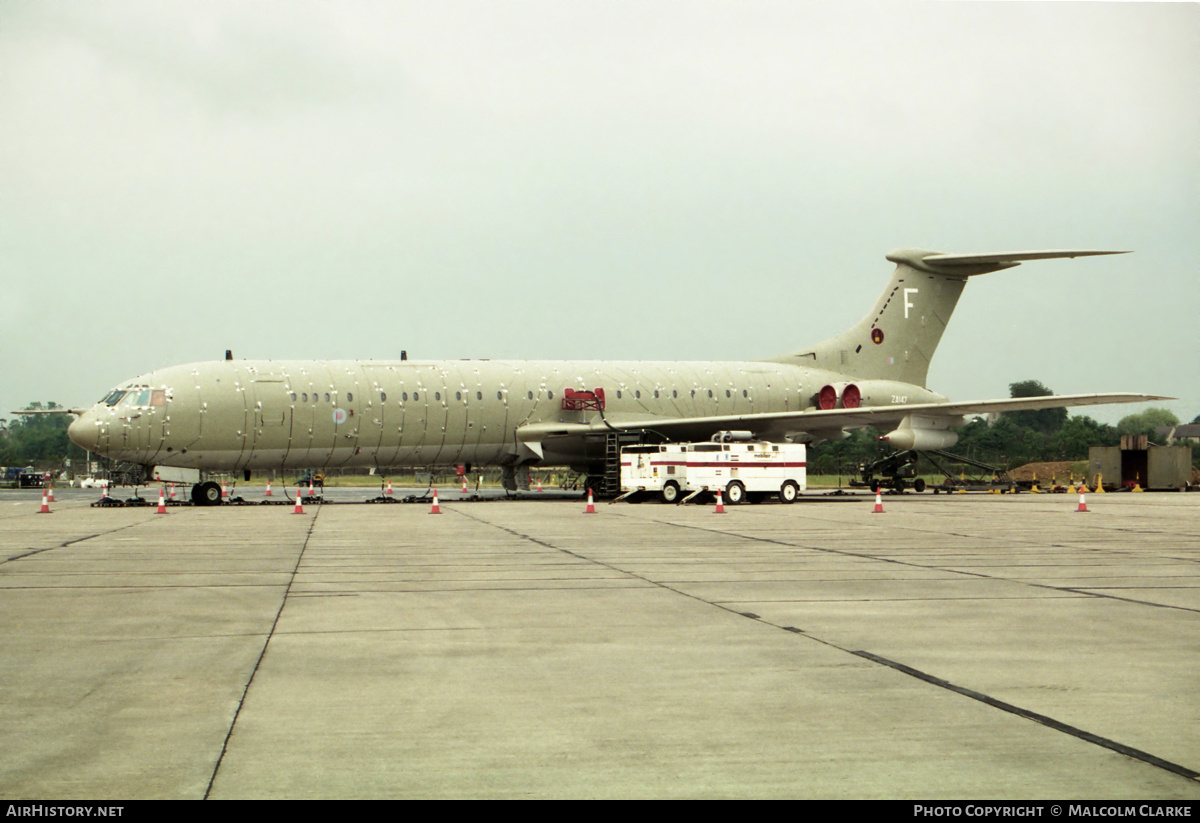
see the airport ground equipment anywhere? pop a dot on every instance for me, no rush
(898, 471)
(740, 468)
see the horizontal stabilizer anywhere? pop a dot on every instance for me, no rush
(966, 265)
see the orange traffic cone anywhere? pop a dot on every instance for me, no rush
(1082, 503)
(224, 492)
(389, 489)
(465, 491)
(162, 502)
(878, 502)
(591, 506)
(299, 503)
(104, 490)
(171, 494)
(268, 491)
(720, 509)
(45, 509)
(50, 492)
(539, 488)
(435, 509)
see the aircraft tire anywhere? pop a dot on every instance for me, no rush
(788, 492)
(919, 485)
(670, 492)
(735, 493)
(206, 494)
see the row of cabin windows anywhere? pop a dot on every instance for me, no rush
(437, 396)
(675, 393)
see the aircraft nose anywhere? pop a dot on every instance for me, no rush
(85, 432)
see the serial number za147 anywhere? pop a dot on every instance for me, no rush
(899, 398)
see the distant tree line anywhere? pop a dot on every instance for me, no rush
(1011, 440)
(36, 440)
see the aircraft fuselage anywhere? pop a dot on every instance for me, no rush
(262, 415)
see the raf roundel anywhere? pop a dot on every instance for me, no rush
(339, 416)
(876, 336)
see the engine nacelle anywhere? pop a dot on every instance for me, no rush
(839, 396)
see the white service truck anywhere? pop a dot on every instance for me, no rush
(732, 463)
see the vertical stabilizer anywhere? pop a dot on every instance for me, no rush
(897, 339)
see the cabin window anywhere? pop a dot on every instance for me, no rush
(349, 397)
(437, 396)
(478, 395)
(637, 394)
(710, 394)
(693, 392)
(326, 397)
(416, 396)
(403, 396)
(383, 397)
(458, 395)
(744, 393)
(499, 395)
(656, 394)
(293, 395)
(618, 394)
(549, 395)
(158, 397)
(530, 395)
(674, 393)
(728, 393)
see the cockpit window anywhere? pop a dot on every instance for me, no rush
(113, 397)
(140, 397)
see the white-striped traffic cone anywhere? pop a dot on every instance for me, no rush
(591, 506)
(878, 502)
(162, 502)
(720, 509)
(435, 509)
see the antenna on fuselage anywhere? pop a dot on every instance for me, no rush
(229, 354)
(404, 354)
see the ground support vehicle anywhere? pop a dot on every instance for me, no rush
(739, 468)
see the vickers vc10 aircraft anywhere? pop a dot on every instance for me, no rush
(268, 415)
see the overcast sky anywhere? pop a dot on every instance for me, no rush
(600, 180)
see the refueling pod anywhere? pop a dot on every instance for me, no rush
(921, 434)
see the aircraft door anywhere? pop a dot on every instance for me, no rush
(267, 440)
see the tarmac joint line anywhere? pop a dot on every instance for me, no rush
(1050, 722)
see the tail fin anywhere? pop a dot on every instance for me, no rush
(897, 339)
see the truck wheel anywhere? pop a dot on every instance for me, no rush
(788, 492)
(735, 493)
(670, 492)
